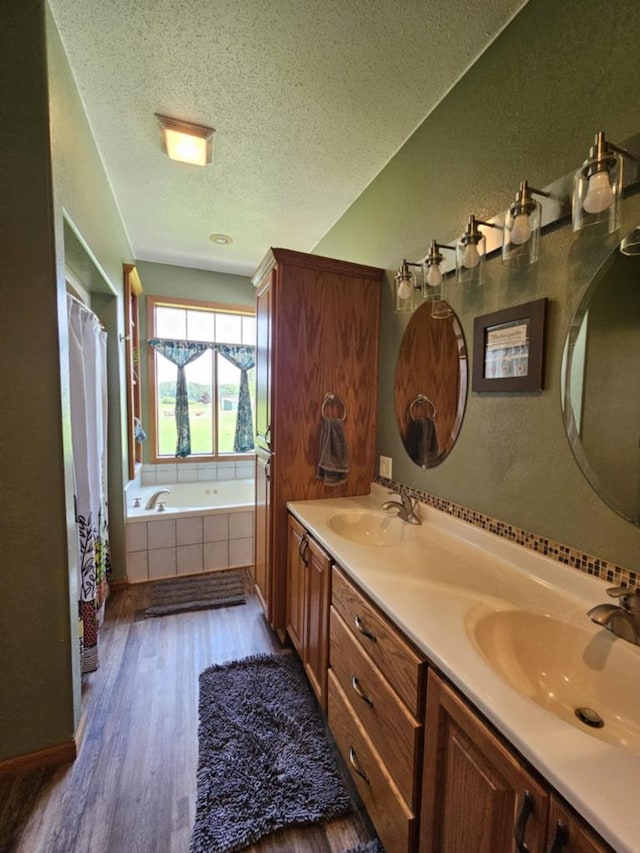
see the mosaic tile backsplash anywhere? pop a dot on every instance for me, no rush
(603, 569)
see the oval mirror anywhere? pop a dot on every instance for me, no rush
(431, 384)
(601, 381)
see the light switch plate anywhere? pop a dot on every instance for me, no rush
(386, 464)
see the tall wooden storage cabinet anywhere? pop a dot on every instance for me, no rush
(317, 334)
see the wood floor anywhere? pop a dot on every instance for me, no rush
(132, 787)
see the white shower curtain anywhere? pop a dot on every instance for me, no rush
(88, 383)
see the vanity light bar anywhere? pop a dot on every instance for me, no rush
(556, 199)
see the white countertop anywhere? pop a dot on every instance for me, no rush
(430, 582)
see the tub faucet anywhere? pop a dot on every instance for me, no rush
(151, 503)
(407, 508)
(623, 620)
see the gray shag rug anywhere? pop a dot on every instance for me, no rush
(369, 847)
(197, 592)
(265, 761)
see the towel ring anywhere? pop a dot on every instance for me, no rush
(420, 400)
(330, 398)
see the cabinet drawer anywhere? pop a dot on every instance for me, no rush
(394, 732)
(400, 664)
(394, 822)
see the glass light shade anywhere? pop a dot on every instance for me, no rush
(407, 290)
(521, 235)
(470, 255)
(630, 245)
(440, 310)
(597, 187)
(433, 272)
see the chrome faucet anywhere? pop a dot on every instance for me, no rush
(407, 508)
(623, 620)
(151, 503)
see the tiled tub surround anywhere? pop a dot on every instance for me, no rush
(190, 471)
(184, 540)
(599, 568)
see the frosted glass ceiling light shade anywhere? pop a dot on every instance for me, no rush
(408, 291)
(521, 235)
(185, 142)
(597, 187)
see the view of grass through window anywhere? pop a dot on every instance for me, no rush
(213, 383)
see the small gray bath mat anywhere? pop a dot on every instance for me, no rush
(265, 761)
(369, 847)
(197, 592)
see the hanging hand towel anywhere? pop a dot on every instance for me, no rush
(333, 462)
(422, 441)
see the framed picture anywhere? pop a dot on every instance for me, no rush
(508, 349)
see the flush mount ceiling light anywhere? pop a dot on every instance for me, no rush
(185, 142)
(221, 239)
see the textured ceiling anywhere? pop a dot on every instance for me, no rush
(309, 99)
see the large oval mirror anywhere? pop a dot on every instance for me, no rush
(601, 381)
(431, 384)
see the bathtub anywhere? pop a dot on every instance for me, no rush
(191, 498)
(204, 526)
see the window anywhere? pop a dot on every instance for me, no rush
(213, 382)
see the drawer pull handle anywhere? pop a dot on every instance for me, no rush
(356, 686)
(303, 548)
(521, 824)
(354, 763)
(560, 839)
(364, 631)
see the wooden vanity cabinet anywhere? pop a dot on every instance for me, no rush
(476, 795)
(376, 690)
(297, 545)
(317, 322)
(568, 833)
(308, 598)
(479, 796)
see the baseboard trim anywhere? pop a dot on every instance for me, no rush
(62, 753)
(118, 586)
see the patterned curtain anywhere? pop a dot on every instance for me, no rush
(88, 399)
(180, 353)
(243, 357)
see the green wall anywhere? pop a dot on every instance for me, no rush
(168, 280)
(49, 168)
(37, 656)
(529, 108)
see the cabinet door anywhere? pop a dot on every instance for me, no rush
(264, 354)
(297, 558)
(316, 658)
(477, 797)
(263, 571)
(569, 834)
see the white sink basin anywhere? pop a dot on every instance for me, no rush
(564, 667)
(369, 528)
